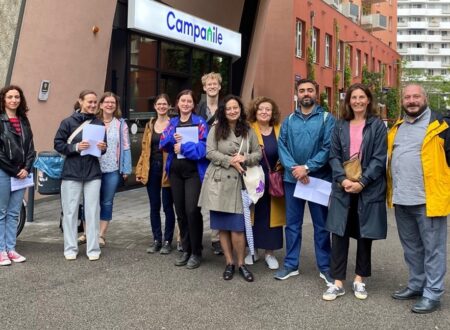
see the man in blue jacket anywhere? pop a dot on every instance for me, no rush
(304, 146)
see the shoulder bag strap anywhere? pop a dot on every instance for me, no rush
(78, 130)
(265, 159)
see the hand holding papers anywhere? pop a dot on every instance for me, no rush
(188, 134)
(317, 191)
(93, 134)
(17, 184)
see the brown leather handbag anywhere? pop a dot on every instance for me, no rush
(276, 187)
(353, 168)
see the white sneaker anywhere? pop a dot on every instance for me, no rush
(249, 260)
(359, 288)
(272, 262)
(94, 257)
(4, 260)
(70, 256)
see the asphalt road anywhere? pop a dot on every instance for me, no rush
(130, 289)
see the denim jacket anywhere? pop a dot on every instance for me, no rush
(124, 154)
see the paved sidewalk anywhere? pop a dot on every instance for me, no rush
(130, 289)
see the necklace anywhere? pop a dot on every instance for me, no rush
(107, 122)
(265, 131)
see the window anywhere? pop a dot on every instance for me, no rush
(315, 44)
(327, 50)
(299, 39)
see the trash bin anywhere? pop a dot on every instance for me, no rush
(48, 166)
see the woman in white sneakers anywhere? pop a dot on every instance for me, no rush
(81, 175)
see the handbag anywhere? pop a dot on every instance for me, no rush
(353, 168)
(276, 188)
(253, 179)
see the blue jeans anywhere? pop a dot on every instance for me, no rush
(155, 191)
(295, 208)
(110, 183)
(424, 242)
(10, 204)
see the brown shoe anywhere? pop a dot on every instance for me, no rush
(82, 239)
(102, 241)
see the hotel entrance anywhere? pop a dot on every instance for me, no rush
(144, 63)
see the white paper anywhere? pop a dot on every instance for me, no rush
(317, 191)
(17, 184)
(93, 134)
(188, 134)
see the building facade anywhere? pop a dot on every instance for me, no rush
(108, 45)
(424, 36)
(328, 38)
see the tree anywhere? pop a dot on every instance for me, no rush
(437, 88)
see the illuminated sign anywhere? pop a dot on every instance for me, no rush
(149, 16)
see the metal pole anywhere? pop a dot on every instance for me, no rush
(30, 205)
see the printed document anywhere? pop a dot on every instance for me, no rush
(17, 184)
(93, 134)
(317, 191)
(188, 134)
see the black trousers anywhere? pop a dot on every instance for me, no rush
(340, 245)
(185, 184)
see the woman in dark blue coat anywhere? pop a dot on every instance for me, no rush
(357, 208)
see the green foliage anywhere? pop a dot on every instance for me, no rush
(347, 68)
(392, 101)
(310, 70)
(373, 80)
(324, 101)
(336, 80)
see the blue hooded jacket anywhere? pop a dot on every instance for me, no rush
(306, 142)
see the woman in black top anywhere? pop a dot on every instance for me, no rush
(16, 160)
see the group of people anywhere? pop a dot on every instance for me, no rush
(194, 163)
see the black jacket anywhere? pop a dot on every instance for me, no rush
(77, 167)
(16, 151)
(372, 199)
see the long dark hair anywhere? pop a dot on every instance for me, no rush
(22, 109)
(223, 128)
(347, 111)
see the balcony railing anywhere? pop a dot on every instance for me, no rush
(334, 3)
(374, 22)
(350, 10)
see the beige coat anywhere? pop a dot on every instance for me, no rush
(143, 165)
(221, 189)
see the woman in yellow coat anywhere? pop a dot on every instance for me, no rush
(269, 213)
(150, 172)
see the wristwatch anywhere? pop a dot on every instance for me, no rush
(306, 168)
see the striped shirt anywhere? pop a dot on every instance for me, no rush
(15, 123)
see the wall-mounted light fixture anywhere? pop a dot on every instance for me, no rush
(95, 29)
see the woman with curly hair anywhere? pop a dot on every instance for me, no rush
(270, 214)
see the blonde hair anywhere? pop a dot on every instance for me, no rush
(211, 75)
